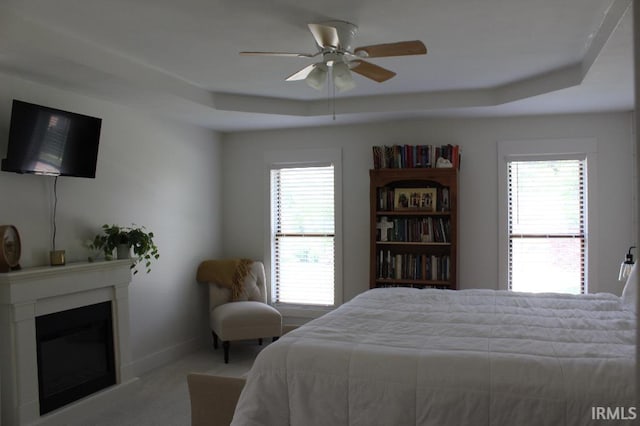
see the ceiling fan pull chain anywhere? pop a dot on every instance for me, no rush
(328, 96)
(333, 94)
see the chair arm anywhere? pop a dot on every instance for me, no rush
(213, 398)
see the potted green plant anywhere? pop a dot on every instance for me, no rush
(124, 239)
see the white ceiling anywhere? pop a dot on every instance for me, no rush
(485, 58)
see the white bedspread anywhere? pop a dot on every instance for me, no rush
(433, 357)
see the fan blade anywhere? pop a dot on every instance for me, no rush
(325, 36)
(298, 55)
(369, 70)
(302, 74)
(401, 48)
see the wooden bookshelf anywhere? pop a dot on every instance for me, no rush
(414, 227)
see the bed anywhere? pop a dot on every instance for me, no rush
(402, 356)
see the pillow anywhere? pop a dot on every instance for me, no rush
(250, 284)
(630, 291)
(219, 294)
(250, 288)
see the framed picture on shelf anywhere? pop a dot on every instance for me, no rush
(423, 199)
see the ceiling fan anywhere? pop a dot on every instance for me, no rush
(334, 44)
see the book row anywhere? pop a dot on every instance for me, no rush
(428, 199)
(416, 156)
(414, 229)
(420, 286)
(410, 266)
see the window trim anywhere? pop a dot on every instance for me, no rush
(304, 158)
(548, 149)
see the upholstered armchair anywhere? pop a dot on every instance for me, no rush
(238, 308)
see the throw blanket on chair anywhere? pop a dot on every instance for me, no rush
(228, 273)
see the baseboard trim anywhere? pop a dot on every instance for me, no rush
(165, 356)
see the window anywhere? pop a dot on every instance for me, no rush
(547, 215)
(304, 253)
(546, 221)
(303, 235)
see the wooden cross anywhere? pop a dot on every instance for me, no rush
(383, 225)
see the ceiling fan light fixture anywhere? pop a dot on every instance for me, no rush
(342, 78)
(317, 76)
(333, 41)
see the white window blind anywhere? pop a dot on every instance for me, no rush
(303, 235)
(546, 220)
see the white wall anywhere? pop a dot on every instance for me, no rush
(244, 198)
(152, 172)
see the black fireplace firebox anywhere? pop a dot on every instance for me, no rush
(75, 354)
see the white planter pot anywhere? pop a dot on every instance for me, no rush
(123, 251)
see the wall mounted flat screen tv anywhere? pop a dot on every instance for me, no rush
(50, 141)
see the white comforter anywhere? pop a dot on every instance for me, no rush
(433, 357)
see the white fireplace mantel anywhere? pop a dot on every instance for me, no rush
(32, 292)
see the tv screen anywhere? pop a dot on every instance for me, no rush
(50, 141)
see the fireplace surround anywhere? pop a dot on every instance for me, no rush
(26, 297)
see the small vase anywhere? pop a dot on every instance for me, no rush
(56, 258)
(123, 251)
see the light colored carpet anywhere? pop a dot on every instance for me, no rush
(161, 397)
